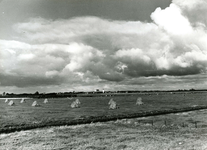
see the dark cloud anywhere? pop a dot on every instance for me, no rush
(28, 81)
(13, 11)
(111, 9)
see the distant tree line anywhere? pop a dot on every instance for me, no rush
(93, 93)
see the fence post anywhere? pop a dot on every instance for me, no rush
(196, 124)
(165, 123)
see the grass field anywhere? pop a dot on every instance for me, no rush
(125, 134)
(58, 111)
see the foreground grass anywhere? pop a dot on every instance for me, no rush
(167, 132)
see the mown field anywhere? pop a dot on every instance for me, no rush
(166, 133)
(23, 116)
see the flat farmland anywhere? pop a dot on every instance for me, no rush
(57, 111)
(127, 134)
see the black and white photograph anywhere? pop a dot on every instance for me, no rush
(103, 74)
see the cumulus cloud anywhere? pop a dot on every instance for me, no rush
(195, 11)
(172, 20)
(91, 50)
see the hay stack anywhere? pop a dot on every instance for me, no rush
(6, 100)
(77, 101)
(139, 101)
(110, 101)
(34, 104)
(22, 101)
(113, 104)
(45, 101)
(75, 104)
(11, 103)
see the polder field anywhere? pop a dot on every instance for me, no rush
(165, 121)
(58, 111)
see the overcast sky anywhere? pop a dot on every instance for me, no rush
(82, 45)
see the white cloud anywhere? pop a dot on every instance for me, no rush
(162, 63)
(190, 4)
(10, 51)
(26, 56)
(133, 55)
(194, 10)
(4, 44)
(171, 20)
(51, 74)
